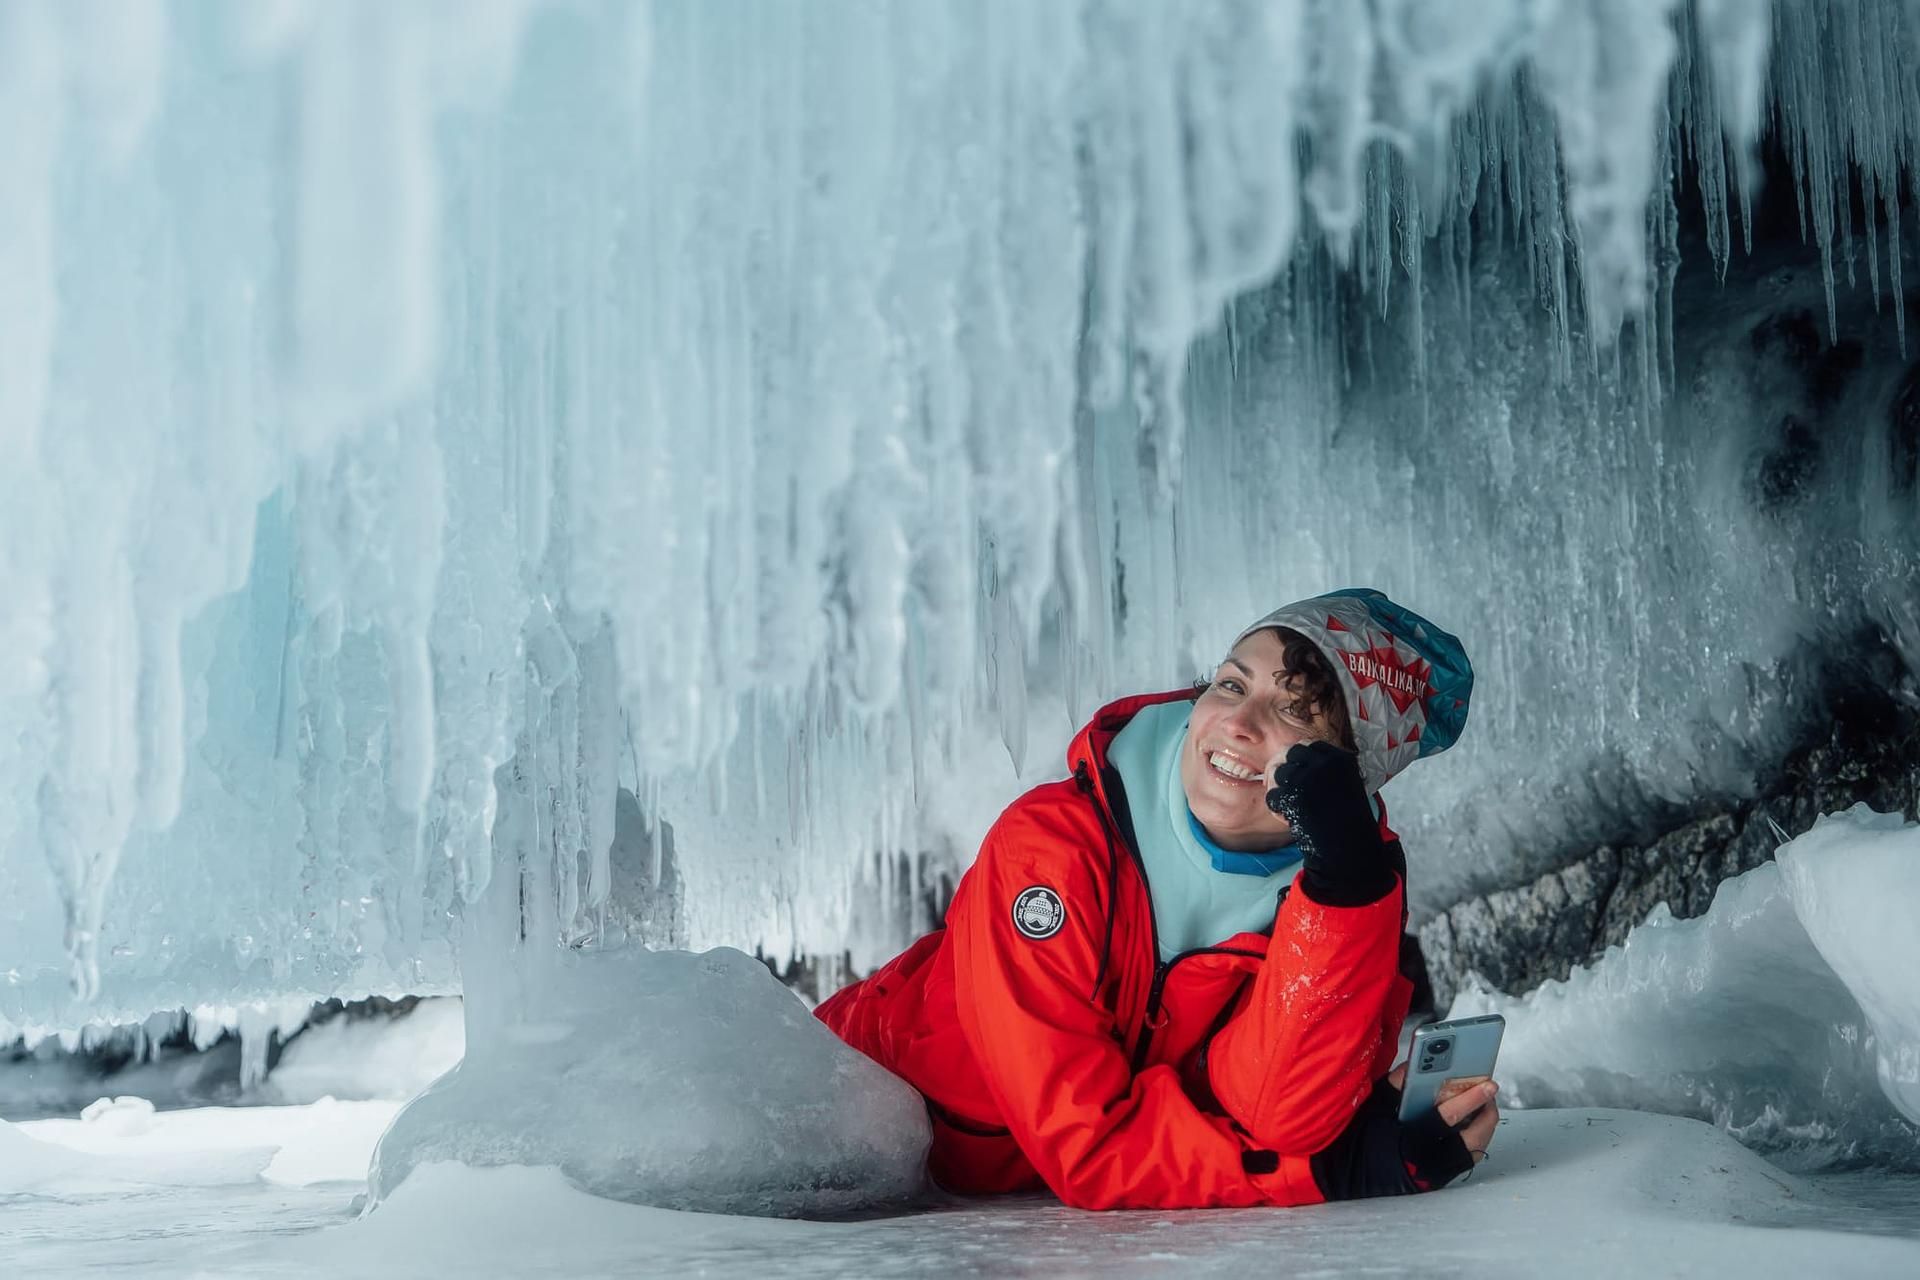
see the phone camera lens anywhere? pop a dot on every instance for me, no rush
(1439, 1047)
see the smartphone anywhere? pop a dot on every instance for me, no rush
(1444, 1051)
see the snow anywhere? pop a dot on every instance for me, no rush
(128, 1143)
(1785, 1014)
(80, 1157)
(1596, 1192)
(690, 1081)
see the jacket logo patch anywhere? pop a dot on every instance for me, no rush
(1038, 912)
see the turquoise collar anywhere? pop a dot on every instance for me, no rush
(1244, 864)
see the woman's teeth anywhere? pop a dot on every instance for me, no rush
(1226, 764)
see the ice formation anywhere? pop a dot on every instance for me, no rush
(691, 1082)
(356, 1059)
(423, 424)
(1787, 1014)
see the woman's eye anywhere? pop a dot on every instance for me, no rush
(1290, 714)
(1232, 686)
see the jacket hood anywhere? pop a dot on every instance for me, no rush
(1407, 683)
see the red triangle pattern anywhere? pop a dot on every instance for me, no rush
(1404, 683)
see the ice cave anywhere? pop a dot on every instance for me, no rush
(539, 537)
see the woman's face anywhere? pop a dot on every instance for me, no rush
(1241, 728)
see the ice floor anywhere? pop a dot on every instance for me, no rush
(273, 1191)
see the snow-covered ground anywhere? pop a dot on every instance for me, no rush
(274, 1191)
(1791, 999)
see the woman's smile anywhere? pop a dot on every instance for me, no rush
(1233, 769)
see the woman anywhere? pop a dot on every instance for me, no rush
(1172, 980)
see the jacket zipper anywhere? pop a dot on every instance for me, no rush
(1158, 990)
(1162, 968)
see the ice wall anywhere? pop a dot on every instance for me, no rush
(420, 416)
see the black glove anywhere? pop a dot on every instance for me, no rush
(1317, 789)
(1376, 1155)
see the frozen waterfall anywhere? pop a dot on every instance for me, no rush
(462, 440)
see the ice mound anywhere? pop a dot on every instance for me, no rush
(688, 1081)
(1788, 1014)
(1855, 884)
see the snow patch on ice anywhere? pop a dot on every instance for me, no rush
(691, 1081)
(334, 1143)
(120, 1142)
(30, 1165)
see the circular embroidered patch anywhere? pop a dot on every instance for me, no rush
(1038, 912)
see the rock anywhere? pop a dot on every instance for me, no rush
(1519, 937)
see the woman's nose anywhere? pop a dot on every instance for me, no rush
(1244, 723)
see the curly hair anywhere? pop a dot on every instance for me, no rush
(1313, 684)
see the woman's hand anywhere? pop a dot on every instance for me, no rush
(1318, 789)
(1469, 1096)
(1376, 1155)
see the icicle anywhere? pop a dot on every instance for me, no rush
(1006, 666)
(1412, 231)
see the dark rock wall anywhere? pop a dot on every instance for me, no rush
(1868, 749)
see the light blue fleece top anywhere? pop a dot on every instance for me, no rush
(1202, 894)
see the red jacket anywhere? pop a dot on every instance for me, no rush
(1054, 1048)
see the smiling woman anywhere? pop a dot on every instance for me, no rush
(1273, 691)
(1131, 1005)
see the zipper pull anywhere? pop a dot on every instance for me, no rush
(1081, 778)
